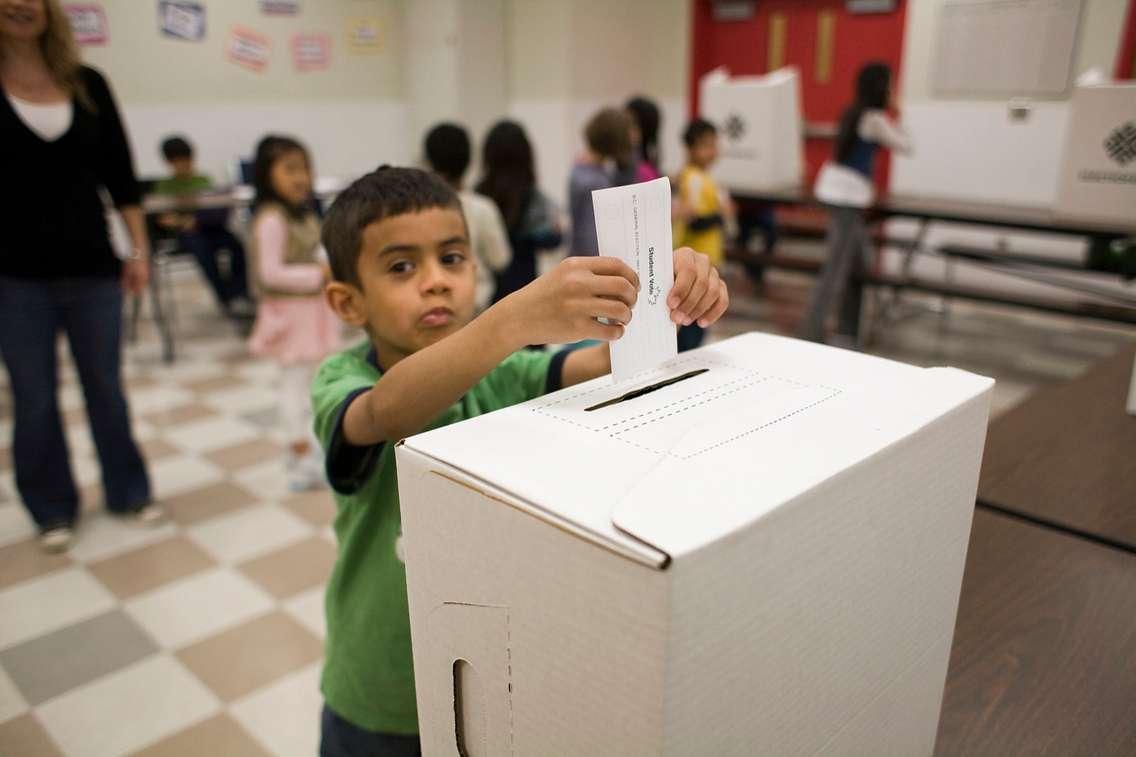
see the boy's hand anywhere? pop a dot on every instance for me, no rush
(562, 305)
(699, 294)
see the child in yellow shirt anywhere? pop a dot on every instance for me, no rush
(703, 209)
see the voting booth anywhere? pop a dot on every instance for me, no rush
(1098, 174)
(756, 547)
(759, 128)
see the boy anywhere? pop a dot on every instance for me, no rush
(606, 162)
(402, 270)
(203, 234)
(448, 152)
(702, 208)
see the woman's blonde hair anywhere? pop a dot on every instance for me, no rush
(62, 54)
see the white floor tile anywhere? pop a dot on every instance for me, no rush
(156, 398)
(128, 709)
(178, 474)
(211, 433)
(45, 604)
(264, 373)
(188, 610)
(12, 703)
(284, 717)
(248, 533)
(268, 479)
(15, 523)
(307, 608)
(244, 399)
(102, 535)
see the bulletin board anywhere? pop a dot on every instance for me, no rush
(991, 48)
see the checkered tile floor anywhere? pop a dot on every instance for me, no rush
(203, 636)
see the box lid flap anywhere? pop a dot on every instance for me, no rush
(751, 423)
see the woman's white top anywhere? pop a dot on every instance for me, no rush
(50, 121)
(837, 184)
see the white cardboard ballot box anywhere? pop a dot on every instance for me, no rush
(759, 128)
(762, 557)
(1098, 171)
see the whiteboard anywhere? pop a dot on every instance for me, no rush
(1006, 47)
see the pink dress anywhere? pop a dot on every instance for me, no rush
(293, 321)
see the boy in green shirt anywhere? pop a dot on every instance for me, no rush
(402, 270)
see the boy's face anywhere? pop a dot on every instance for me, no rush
(705, 150)
(182, 168)
(418, 278)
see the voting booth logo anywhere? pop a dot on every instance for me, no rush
(1121, 143)
(735, 127)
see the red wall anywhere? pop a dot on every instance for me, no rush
(742, 46)
(1126, 55)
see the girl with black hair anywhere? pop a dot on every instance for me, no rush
(844, 185)
(530, 217)
(644, 138)
(294, 325)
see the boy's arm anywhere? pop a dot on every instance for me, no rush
(561, 306)
(698, 295)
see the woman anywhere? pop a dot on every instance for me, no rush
(845, 185)
(530, 218)
(61, 142)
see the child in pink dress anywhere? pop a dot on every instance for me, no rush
(294, 325)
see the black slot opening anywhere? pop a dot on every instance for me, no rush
(646, 390)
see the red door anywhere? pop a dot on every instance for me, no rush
(794, 29)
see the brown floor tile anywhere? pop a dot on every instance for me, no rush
(156, 449)
(207, 502)
(91, 496)
(140, 382)
(214, 384)
(151, 566)
(24, 560)
(75, 416)
(245, 454)
(293, 569)
(5, 459)
(243, 659)
(219, 736)
(316, 507)
(192, 411)
(25, 737)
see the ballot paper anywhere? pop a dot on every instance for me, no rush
(633, 223)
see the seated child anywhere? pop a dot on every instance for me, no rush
(203, 240)
(403, 271)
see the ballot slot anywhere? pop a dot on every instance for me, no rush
(643, 391)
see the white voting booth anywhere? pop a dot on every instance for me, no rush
(755, 548)
(759, 128)
(1098, 173)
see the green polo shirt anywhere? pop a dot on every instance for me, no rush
(368, 675)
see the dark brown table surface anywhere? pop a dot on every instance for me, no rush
(1067, 455)
(1044, 654)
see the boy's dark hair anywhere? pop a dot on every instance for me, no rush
(176, 148)
(448, 150)
(609, 135)
(696, 130)
(385, 193)
(269, 150)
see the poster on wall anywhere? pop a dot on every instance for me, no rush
(311, 52)
(280, 7)
(248, 49)
(364, 35)
(88, 23)
(181, 20)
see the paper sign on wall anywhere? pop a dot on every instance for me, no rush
(633, 223)
(280, 7)
(364, 35)
(88, 23)
(182, 20)
(311, 52)
(248, 49)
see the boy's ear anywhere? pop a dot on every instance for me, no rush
(347, 302)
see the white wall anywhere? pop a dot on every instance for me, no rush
(972, 148)
(351, 115)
